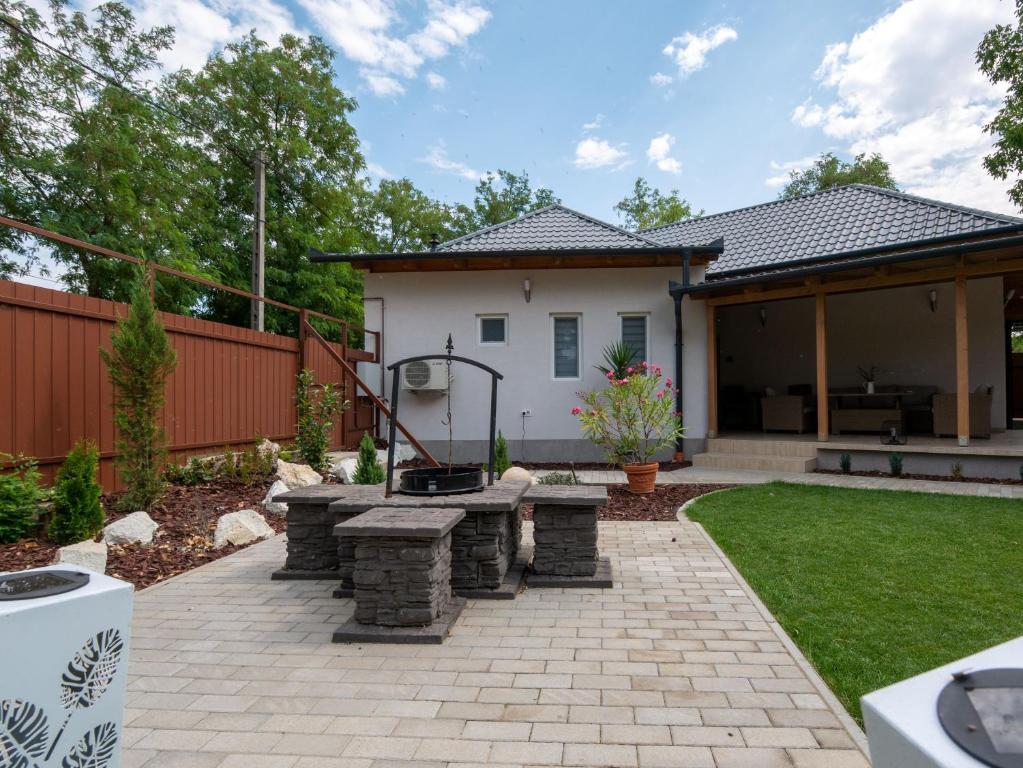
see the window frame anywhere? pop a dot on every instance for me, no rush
(645, 353)
(479, 329)
(578, 317)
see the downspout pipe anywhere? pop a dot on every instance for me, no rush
(687, 255)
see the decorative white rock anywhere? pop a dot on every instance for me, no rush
(297, 475)
(242, 527)
(520, 474)
(136, 528)
(344, 470)
(85, 554)
(267, 448)
(276, 507)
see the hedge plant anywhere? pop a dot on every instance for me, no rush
(20, 496)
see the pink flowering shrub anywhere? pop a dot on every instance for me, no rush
(633, 417)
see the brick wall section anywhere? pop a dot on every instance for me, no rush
(566, 540)
(404, 582)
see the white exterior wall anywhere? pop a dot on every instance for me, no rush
(420, 309)
(694, 362)
(893, 329)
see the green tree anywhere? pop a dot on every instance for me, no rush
(1000, 56)
(282, 100)
(404, 217)
(316, 407)
(648, 207)
(367, 469)
(500, 197)
(501, 461)
(77, 512)
(138, 363)
(829, 171)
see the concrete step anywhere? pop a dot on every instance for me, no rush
(800, 464)
(804, 449)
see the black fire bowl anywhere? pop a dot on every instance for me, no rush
(441, 481)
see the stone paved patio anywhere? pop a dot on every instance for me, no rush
(679, 665)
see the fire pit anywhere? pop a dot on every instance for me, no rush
(434, 481)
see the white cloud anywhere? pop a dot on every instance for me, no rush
(689, 51)
(364, 31)
(595, 124)
(438, 158)
(381, 84)
(375, 169)
(661, 80)
(781, 171)
(436, 81)
(598, 153)
(659, 153)
(908, 87)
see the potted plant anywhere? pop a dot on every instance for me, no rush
(868, 375)
(632, 419)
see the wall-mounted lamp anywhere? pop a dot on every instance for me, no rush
(763, 317)
(933, 297)
(527, 289)
(1009, 297)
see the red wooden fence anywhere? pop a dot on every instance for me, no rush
(231, 384)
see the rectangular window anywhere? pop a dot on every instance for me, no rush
(566, 346)
(493, 329)
(634, 329)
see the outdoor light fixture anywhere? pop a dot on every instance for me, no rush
(527, 289)
(933, 296)
(763, 317)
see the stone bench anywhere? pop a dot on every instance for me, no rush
(485, 544)
(565, 536)
(312, 548)
(402, 575)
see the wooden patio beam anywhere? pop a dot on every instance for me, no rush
(962, 342)
(821, 324)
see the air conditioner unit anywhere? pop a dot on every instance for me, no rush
(425, 376)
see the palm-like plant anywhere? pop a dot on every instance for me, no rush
(619, 356)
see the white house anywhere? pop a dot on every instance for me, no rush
(764, 315)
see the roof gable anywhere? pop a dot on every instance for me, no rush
(832, 222)
(554, 227)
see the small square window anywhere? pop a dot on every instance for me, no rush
(493, 329)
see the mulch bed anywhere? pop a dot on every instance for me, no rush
(907, 476)
(660, 505)
(187, 516)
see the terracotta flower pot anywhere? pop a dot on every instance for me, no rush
(641, 477)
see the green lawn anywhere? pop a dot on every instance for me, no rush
(875, 586)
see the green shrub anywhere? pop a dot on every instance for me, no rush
(367, 470)
(845, 463)
(317, 406)
(501, 461)
(77, 512)
(559, 478)
(20, 495)
(895, 464)
(957, 470)
(138, 363)
(195, 472)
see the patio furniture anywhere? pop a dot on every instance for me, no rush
(565, 532)
(980, 414)
(854, 410)
(794, 412)
(402, 575)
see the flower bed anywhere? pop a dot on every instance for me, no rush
(661, 505)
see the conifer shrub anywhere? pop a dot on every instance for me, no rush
(367, 469)
(77, 511)
(138, 363)
(501, 461)
(20, 496)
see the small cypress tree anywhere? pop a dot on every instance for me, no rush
(139, 361)
(20, 495)
(77, 512)
(367, 470)
(501, 461)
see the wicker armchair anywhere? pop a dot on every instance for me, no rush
(788, 413)
(944, 407)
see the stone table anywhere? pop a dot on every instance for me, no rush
(565, 534)
(484, 545)
(312, 548)
(402, 575)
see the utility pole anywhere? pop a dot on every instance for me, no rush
(258, 240)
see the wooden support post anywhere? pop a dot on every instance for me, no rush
(712, 372)
(962, 363)
(822, 368)
(256, 320)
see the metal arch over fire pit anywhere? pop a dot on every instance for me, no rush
(395, 368)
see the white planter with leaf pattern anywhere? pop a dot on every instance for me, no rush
(63, 671)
